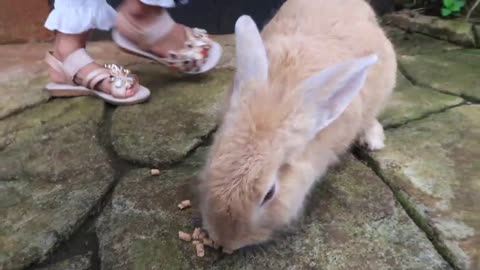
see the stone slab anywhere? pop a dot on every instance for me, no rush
(455, 72)
(53, 172)
(181, 111)
(79, 262)
(352, 222)
(408, 43)
(457, 31)
(21, 94)
(410, 102)
(434, 165)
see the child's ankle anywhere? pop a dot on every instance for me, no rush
(141, 12)
(67, 44)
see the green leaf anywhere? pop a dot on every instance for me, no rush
(458, 5)
(448, 3)
(446, 12)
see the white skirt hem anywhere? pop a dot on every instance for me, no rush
(160, 3)
(75, 20)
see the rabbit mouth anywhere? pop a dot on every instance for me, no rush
(250, 245)
(249, 248)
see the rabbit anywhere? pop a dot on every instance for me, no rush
(305, 89)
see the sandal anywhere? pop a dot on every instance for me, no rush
(68, 84)
(199, 55)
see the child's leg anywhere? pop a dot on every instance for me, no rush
(72, 20)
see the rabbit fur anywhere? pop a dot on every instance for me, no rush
(304, 91)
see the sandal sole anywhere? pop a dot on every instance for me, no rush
(65, 90)
(215, 53)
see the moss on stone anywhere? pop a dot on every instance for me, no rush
(158, 253)
(21, 94)
(54, 171)
(180, 112)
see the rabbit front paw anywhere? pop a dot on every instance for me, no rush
(373, 137)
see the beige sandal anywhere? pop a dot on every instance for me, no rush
(199, 55)
(69, 84)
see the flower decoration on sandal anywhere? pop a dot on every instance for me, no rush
(120, 77)
(195, 53)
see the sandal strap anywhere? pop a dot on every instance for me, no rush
(159, 29)
(146, 37)
(95, 77)
(53, 62)
(76, 61)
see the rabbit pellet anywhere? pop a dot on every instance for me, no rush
(199, 236)
(184, 236)
(184, 204)
(196, 234)
(200, 250)
(155, 172)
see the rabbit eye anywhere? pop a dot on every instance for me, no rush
(269, 195)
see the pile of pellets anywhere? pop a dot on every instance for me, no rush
(198, 237)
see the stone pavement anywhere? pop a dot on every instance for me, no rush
(76, 192)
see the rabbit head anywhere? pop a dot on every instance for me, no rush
(246, 193)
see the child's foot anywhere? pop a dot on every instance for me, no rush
(65, 45)
(151, 32)
(143, 16)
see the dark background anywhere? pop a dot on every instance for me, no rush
(219, 16)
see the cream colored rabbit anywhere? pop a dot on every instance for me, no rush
(301, 97)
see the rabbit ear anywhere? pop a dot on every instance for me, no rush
(251, 57)
(333, 89)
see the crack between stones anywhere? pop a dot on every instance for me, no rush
(120, 168)
(421, 222)
(203, 141)
(83, 239)
(85, 231)
(404, 72)
(409, 30)
(476, 37)
(21, 110)
(424, 116)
